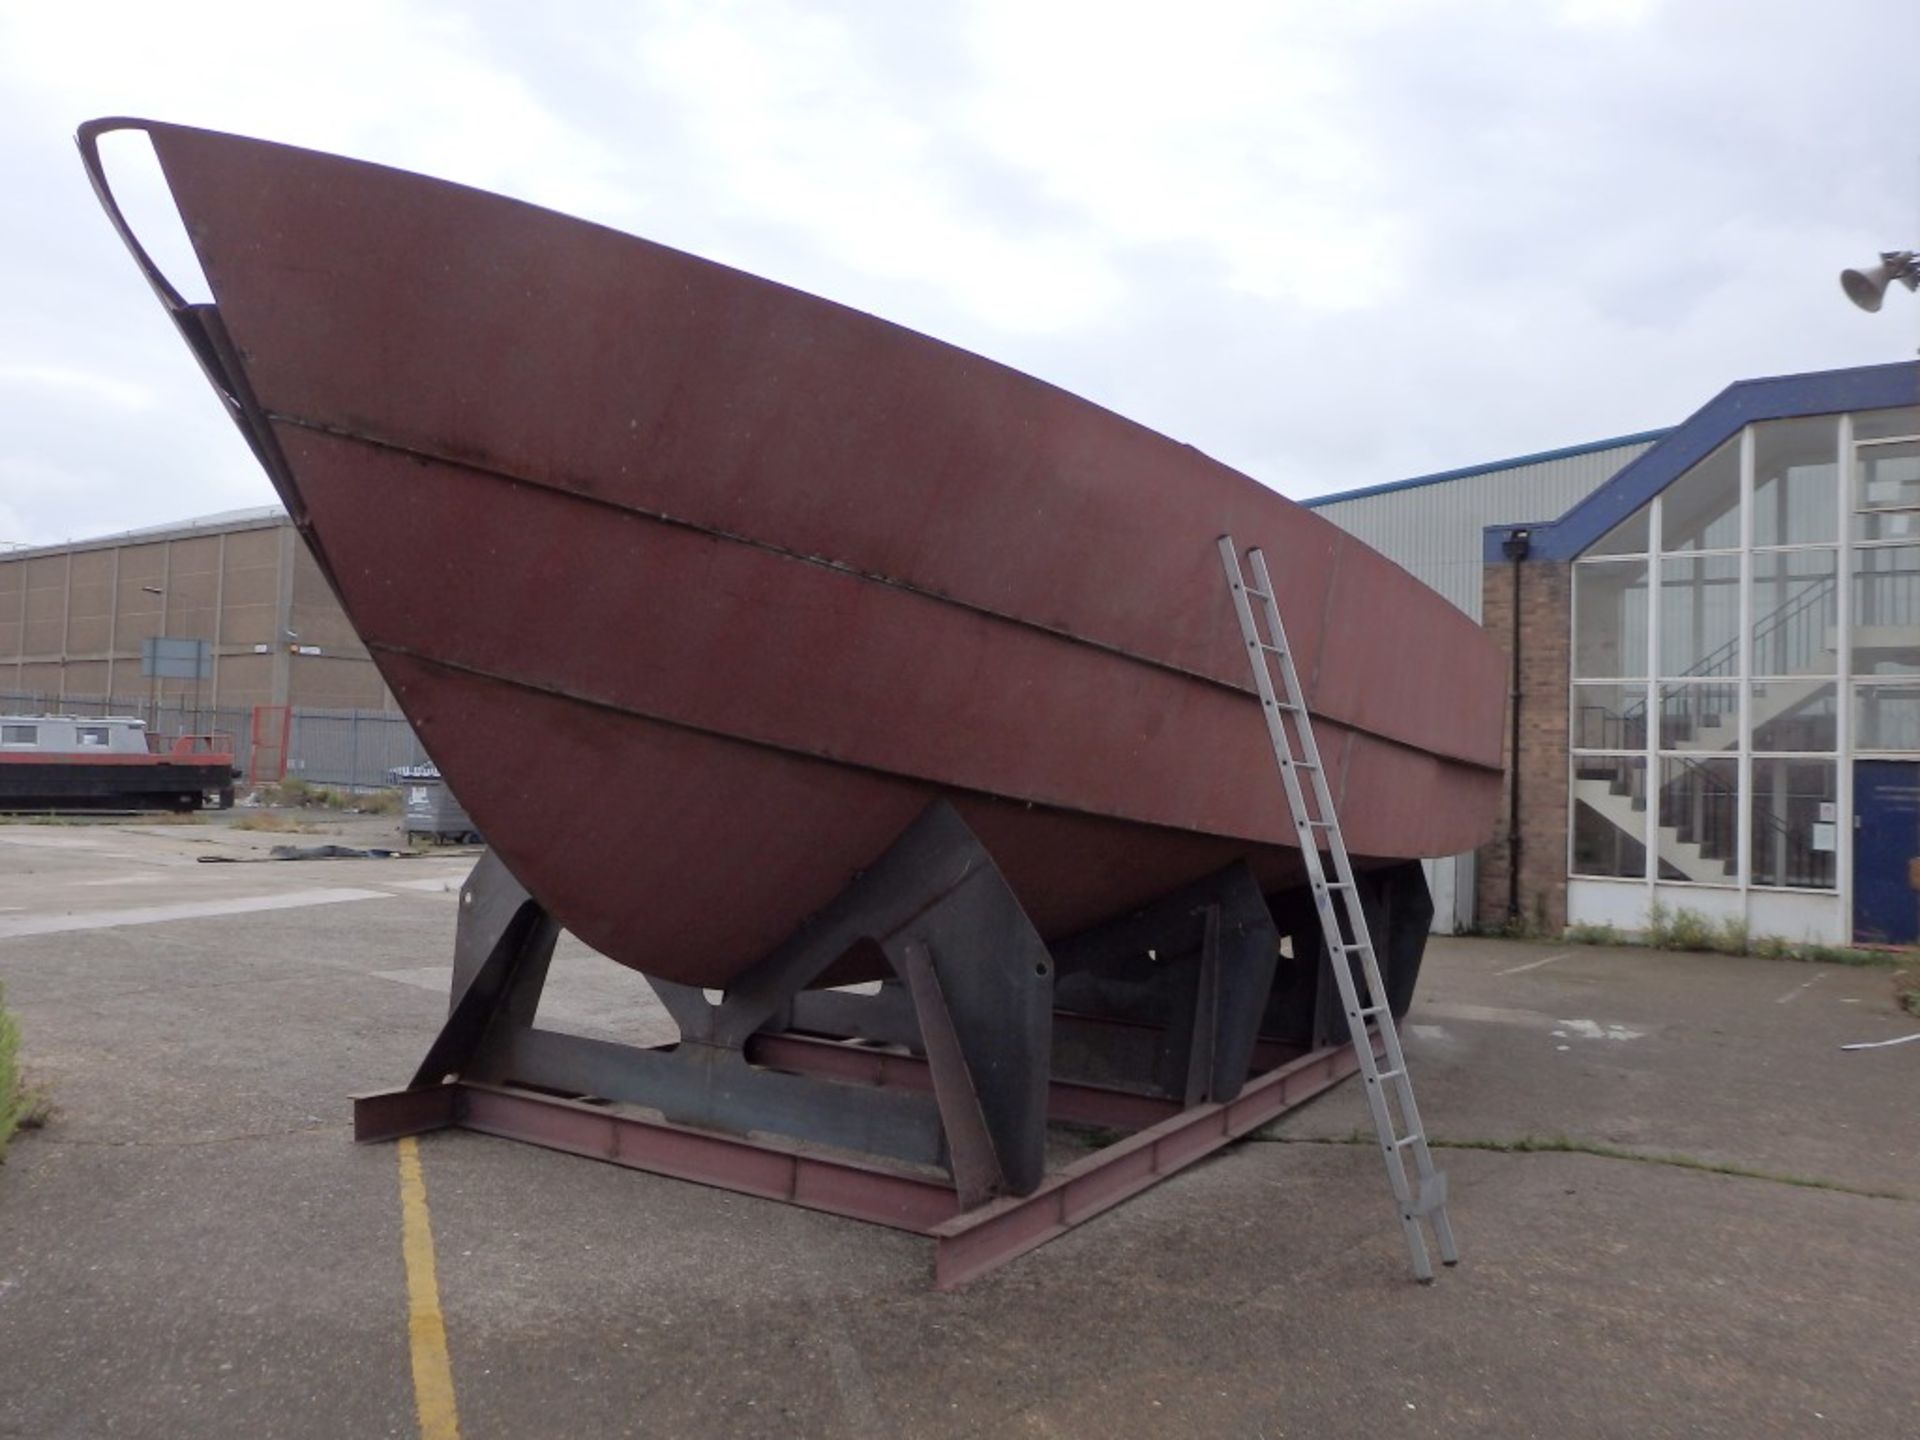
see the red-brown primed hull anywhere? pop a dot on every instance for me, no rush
(700, 589)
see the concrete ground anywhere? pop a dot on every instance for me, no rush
(194, 1247)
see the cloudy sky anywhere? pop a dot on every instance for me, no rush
(1332, 244)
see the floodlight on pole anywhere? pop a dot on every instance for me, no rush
(1866, 288)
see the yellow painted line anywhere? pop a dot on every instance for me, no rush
(426, 1329)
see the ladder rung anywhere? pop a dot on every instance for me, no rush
(1338, 918)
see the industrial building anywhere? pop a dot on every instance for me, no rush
(1717, 684)
(73, 618)
(280, 667)
(1432, 526)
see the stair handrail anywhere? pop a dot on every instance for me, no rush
(1715, 661)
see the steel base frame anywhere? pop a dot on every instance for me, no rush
(967, 1242)
(979, 1039)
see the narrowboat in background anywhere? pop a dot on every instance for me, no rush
(109, 762)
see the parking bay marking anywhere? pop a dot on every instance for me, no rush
(426, 1326)
(1797, 991)
(1534, 964)
(25, 925)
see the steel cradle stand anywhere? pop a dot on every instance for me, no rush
(923, 1106)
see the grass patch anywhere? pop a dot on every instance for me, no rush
(20, 1108)
(1597, 935)
(1513, 927)
(1568, 1145)
(1689, 930)
(1680, 929)
(293, 793)
(276, 824)
(1841, 955)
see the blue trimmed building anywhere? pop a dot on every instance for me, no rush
(1717, 660)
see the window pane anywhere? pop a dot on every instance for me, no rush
(93, 734)
(1886, 611)
(1886, 490)
(1700, 717)
(1609, 815)
(1795, 715)
(1701, 510)
(1886, 717)
(1796, 470)
(1699, 820)
(1700, 616)
(18, 734)
(1796, 612)
(1889, 474)
(1610, 618)
(1795, 835)
(1629, 537)
(1610, 717)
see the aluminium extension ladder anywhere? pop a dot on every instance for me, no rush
(1342, 920)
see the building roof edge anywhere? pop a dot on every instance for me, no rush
(1466, 472)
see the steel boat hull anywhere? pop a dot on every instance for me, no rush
(699, 588)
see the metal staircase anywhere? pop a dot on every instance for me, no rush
(1343, 922)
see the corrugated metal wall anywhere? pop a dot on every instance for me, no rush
(1433, 528)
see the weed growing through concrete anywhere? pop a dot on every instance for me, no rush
(1513, 927)
(1681, 929)
(9, 1074)
(20, 1108)
(1733, 937)
(1597, 935)
(1684, 929)
(295, 793)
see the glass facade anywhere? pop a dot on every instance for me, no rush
(1610, 619)
(1699, 615)
(1606, 838)
(1795, 809)
(1737, 641)
(1702, 507)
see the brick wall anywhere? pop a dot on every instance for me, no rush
(1545, 641)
